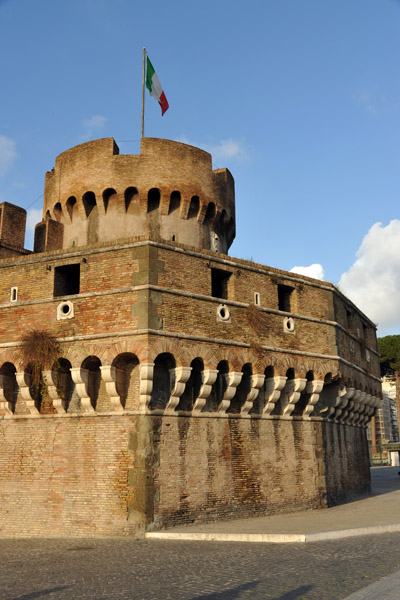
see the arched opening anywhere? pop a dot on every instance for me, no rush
(71, 206)
(219, 387)
(89, 202)
(8, 382)
(64, 383)
(37, 387)
(48, 215)
(210, 214)
(107, 195)
(93, 364)
(260, 401)
(57, 210)
(174, 202)
(129, 196)
(153, 199)
(194, 207)
(281, 404)
(327, 397)
(163, 381)
(305, 397)
(127, 379)
(193, 386)
(242, 390)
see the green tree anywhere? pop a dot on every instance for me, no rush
(389, 349)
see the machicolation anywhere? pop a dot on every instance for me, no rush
(188, 385)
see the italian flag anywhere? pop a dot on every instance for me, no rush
(154, 86)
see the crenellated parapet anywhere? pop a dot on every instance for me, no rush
(168, 191)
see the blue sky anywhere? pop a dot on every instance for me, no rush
(300, 99)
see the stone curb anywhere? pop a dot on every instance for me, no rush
(273, 538)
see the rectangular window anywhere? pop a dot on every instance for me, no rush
(284, 294)
(66, 280)
(219, 283)
(257, 298)
(14, 294)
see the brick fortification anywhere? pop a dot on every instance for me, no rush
(191, 386)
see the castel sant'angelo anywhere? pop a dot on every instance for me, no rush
(190, 386)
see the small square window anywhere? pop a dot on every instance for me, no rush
(67, 280)
(284, 293)
(219, 283)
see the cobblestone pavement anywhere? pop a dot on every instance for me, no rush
(147, 569)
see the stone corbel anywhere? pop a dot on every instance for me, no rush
(5, 406)
(208, 378)
(342, 401)
(50, 381)
(375, 403)
(313, 388)
(273, 389)
(109, 375)
(351, 407)
(294, 387)
(24, 381)
(256, 383)
(364, 406)
(146, 385)
(233, 378)
(81, 378)
(181, 375)
(358, 407)
(361, 408)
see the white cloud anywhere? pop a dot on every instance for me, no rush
(373, 281)
(224, 150)
(315, 270)
(93, 125)
(34, 216)
(8, 154)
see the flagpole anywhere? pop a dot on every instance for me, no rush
(144, 70)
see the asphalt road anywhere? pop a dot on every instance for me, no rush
(151, 569)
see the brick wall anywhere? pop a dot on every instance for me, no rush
(114, 475)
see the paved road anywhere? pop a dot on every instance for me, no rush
(178, 570)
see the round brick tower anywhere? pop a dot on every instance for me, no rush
(169, 192)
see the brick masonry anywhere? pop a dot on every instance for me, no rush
(191, 386)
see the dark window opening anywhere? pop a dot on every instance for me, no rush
(219, 283)
(66, 280)
(153, 199)
(284, 293)
(89, 202)
(349, 318)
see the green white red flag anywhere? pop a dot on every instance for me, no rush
(154, 86)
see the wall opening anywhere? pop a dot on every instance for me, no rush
(219, 283)
(107, 195)
(284, 297)
(192, 387)
(174, 202)
(57, 211)
(93, 364)
(89, 202)
(66, 280)
(162, 380)
(194, 207)
(129, 194)
(153, 199)
(210, 214)
(71, 205)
